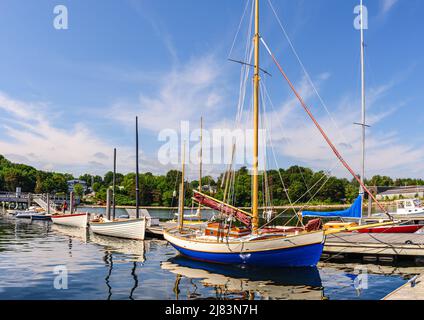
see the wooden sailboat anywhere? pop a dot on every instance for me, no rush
(253, 244)
(195, 219)
(249, 245)
(123, 228)
(356, 211)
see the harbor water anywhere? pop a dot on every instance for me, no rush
(39, 260)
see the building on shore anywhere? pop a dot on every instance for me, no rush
(72, 183)
(401, 192)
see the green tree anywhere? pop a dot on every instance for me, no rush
(79, 190)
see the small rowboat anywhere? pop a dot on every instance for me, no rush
(41, 217)
(126, 229)
(26, 214)
(78, 220)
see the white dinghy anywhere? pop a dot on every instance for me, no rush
(78, 220)
(131, 228)
(122, 228)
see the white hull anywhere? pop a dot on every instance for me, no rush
(25, 214)
(128, 229)
(72, 220)
(243, 245)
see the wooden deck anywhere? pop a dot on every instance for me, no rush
(411, 245)
(409, 291)
(157, 231)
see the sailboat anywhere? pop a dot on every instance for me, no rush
(123, 228)
(193, 219)
(251, 244)
(356, 211)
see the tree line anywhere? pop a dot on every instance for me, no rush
(280, 187)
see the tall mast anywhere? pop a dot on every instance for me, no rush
(181, 200)
(137, 190)
(255, 193)
(114, 184)
(200, 163)
(363, 124)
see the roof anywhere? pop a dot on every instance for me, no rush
(403, 190)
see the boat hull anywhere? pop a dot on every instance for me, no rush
(71, 220)
(25, 215)
(393, 229)
(41, 217)
(297, 251)
(130, 229)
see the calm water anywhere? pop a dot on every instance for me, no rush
(106, 268)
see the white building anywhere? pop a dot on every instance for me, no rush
(402, 192)
(72, 183)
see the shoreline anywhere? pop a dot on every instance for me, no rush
(320, 206)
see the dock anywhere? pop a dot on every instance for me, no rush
(377, 246)
(412, 290)
(380, 246)
(157, 230)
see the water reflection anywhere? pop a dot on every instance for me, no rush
(108, 259)
(246, 283)
(80, 234)
(135, 277)
(129, 250)
(108, 268)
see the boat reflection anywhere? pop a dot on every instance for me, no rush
(71, 232)
(246, 283)
(108, 259)
(130, 250)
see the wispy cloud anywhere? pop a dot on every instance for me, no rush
(387, 5)
(29, 137)
(386, 154)
(183, 94)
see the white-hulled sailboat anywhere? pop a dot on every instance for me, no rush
(253, 244)
(123, 228)
(356, 211)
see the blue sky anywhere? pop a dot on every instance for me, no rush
(67, 97)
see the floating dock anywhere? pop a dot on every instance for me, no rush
(157, 231)
(413, 290)
(381, 246)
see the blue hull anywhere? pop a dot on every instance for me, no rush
(306, 256)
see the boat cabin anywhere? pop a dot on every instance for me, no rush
(409, 206)
(214, 229)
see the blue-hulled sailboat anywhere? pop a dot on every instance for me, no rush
(252, 244)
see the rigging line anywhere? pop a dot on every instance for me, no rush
(239, 27)
(302, 196)
(275, 158)
(309, 189)
(264, 123)
(265, 185)
(302, 208)
(282, 130)
(306, 72)
(335, 151)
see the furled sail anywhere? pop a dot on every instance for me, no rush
(354, 212)
(222, 207)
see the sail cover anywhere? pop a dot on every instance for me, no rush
(222, 207)
(354, 212)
